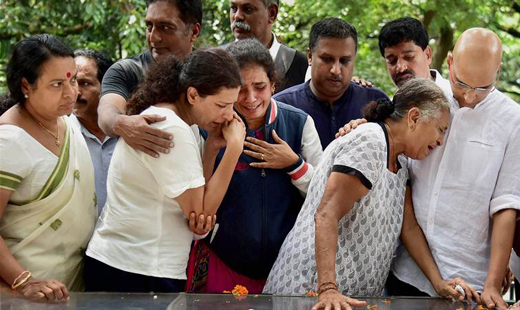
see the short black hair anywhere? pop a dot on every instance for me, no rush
(103, 62)
(249, 52)
(190, 10)
(27, 59)
(403, 29)
(331, 27)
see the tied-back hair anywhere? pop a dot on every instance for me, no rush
(167, 80)
(420, 93)
(27, 59)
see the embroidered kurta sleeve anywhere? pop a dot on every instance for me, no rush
(362, 154)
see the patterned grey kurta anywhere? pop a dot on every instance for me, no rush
(368, 234)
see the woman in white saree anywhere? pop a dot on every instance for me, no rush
(47, 195)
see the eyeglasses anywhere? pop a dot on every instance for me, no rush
(466, 88)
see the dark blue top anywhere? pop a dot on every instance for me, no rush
(260, 205)
(328, 120)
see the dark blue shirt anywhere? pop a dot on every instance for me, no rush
(329, 119)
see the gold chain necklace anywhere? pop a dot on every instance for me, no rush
(55, 136)
(392, 148)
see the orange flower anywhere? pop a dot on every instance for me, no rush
(240, 290)
(311, 294)
(480, 307)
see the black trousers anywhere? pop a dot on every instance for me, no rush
(396, 287)
(100, 277)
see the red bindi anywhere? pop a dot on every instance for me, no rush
(68, 74)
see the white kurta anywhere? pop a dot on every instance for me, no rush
(461, 185)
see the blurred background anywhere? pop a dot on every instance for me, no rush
(117, 28)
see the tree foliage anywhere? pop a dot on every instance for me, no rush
(117, 27)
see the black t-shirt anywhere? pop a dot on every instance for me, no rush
(123, 76)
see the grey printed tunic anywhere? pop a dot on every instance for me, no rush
(368, 234)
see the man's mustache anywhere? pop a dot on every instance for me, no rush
(241, 25)
(81, 100)
(399, 75)
(336, 78)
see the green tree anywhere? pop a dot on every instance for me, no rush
(117, 27)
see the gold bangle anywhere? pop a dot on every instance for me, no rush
(19, 276)
(16, 285)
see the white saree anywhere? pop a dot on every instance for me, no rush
(49, 235)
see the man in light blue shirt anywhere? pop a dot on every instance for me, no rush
(91, 66)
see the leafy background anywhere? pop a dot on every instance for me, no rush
(117, 27)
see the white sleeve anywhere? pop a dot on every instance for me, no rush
(311, 153)
(15, 162)
(181, 169)
(507, 189)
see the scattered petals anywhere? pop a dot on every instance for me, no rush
(240, 292)
(372, 307)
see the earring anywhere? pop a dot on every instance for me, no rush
(26, 96)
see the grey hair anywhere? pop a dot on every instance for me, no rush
(268, 3)
(416, 93)
(426, 96)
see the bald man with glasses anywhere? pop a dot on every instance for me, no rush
(467, 193)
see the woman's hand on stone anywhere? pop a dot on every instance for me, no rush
(275, 156)
(334, 300)
(46, 290)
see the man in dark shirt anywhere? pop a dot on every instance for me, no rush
(172, 26)
(330, 97)
(255, 18)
